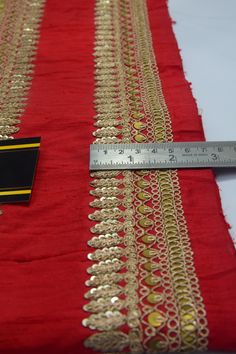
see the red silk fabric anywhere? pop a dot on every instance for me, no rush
(43, 253)
(214, 253)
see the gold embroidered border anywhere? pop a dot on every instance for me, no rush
(145, 294)
(19, 24)
(2, 7)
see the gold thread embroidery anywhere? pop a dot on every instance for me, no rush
(184, 280)
(115, 202)
(139, 222)
(19, 35)
(2, 8)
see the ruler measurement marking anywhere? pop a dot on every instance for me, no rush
(163, 155)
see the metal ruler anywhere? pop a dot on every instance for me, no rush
(162, 155)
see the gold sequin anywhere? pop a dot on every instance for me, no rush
(158, 344)
(143, 183)
(111, 341)
(156, 319)
(150, 252)
(19, 24)
(137, 115)
(151, 266)
(141, 242)
(155, 298)
(139, 125)
(145, 209)
(140, 138)
(143, 196)
(108, 320)
(152, 280)
(147, 238)
(145, 222)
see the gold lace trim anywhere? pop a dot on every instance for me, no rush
(2, 7)
(19, 22)
(144, 293)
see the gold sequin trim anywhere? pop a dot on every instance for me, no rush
(2, 8)
(144, 293)
(19, 22)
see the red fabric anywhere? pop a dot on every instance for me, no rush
(214, 253)
(43, 253)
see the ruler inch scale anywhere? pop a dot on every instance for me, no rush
(170, 155)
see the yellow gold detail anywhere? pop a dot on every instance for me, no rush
(111, 341)
(144, 196)
(150, 266)
(137, 115)
(19, 22)
(145, 222)
(169, 217)
(152, 280)
(20, 146)
(150, 252)
(139, 125)
(139, 138)
(143, 183)
(26, 191)
(142, 275)
(158, 345)
(155, 298)
(144, 209)
(141, 173)
(147, 238)
(2, 5)
(156, 319)
(109, 320)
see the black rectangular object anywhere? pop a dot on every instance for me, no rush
(18, 159)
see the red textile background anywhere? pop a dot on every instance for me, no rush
(214, 253)
(43, 253)
(44, 245)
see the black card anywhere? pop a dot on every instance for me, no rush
(18, 160)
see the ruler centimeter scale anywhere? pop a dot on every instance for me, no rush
(162, 155)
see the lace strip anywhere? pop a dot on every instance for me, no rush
(143, 292)
(19, 24)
